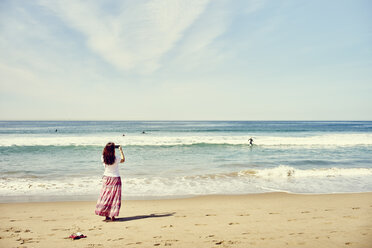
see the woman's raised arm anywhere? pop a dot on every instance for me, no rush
(122, 155)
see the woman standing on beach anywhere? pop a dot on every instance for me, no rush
(109, 202)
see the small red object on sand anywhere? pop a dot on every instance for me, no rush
(77, 236)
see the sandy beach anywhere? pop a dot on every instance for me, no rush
(256, 220)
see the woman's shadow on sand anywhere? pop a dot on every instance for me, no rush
(140, 217)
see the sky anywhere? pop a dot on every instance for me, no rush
(186, 60)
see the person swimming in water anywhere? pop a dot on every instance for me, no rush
(250, 141)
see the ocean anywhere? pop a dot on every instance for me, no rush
(61, 160)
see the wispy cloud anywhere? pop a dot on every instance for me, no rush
(195, 49)
(138, 35)
(69, 58)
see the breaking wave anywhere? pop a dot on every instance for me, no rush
(352, 139)
(281, 178)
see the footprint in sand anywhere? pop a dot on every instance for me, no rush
(167, 226)
(169, 241)
(210, 215)
(274, 213)
(117, 239)
(305, 212)
(356, 208)
(233, 223)
(95, 245)
(26, 240)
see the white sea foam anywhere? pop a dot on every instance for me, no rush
(40, 187)
(281, 178)
(284, 171)
(287, 171)
(339, 139)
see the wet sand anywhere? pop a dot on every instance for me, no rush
(256, 220)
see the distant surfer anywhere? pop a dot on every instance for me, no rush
(56, 130)
(143, 132)
(250, 141)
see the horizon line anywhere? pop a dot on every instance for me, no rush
(191, 120)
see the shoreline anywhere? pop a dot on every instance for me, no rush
(250, 220)
(93, 198)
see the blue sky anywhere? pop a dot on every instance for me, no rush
(186, 60)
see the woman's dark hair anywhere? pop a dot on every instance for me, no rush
(109, 153)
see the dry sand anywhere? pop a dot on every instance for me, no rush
(262, 220)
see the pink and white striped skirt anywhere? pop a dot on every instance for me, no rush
(109, 202)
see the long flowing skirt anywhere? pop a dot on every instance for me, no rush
(109, 202)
